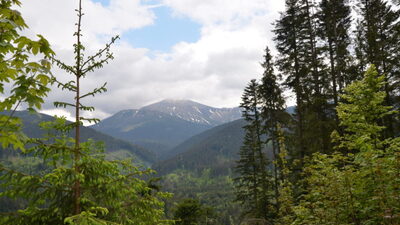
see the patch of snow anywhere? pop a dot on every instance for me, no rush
(218, 114)
(207, 121)
(197, 109)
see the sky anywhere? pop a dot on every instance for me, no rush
(203, 50)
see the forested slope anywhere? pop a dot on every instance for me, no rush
(113, 146)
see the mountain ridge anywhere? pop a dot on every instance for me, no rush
(165, 124)
(216, 148)
(112, 144)
(192, 111)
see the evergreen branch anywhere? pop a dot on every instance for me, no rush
(69, 85)
(86, 108)
(90, 120)
(7, 170)
(100, 52)
(63, 104)
(21, 174)
(55, 146)
(113, 181)
(52, 146)
(63, 66)
(73, 124)
(98, 64)
(99, 90)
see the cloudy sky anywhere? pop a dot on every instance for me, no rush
(203, 50)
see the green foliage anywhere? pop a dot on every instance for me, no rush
(361, 112)
(301, 61)
(115, 148)
(273, 116)
(212, 191)
(28, 79)
(359, 186)
(192, 212)
(114, 191)
(258, 180)
(285, 199)
(379, 28)
(317, 60)
(253, 183)
(76, 184)
(334, 29)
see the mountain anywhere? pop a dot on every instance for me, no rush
(216, 148)
(155, 130)
(195, 112)
(114, 147)
(164, 125)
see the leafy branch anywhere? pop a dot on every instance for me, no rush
(99, 90)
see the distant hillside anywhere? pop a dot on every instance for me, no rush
(164, 125)
(156, 130)
(216, 148)
(113, 145)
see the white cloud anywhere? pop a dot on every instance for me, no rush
(212, 70)
(56, 19)
(58, 112)
(230, 13)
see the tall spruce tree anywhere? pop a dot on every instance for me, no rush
(381, 34)
(315, 77)
(300, 61)
(273, 114)
(334, 26)
(253, 181)
(317, 82)
(361, 62)
(291, 63)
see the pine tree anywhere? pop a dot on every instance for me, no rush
(312, 54)
(318, 120)
(334, 26)
(381, 34)
(361, 61)
(272, 113)
(252, 183)
(291, 63)
(300, 61)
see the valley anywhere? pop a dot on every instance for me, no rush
(162, 126)
(193, 148)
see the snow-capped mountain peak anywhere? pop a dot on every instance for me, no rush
(195, 112)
